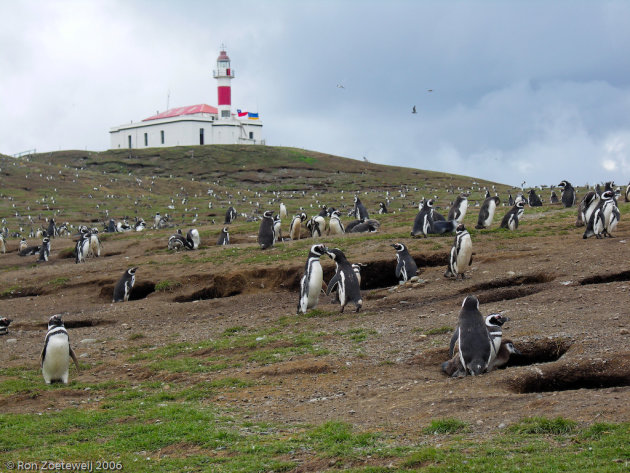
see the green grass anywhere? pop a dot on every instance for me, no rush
(166, 285)
(542, 425)
(445, 426)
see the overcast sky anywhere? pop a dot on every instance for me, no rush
(521, 90)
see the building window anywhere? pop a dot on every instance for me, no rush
(129, 139)
(200, 136)
(251, 135)
(146, 139)
(225, 114)
(162, 136)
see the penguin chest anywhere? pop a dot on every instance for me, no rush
(464, 254)
(314, 283)
(492, 206)
(463, 208)
(56, 362)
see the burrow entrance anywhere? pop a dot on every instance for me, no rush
(139, 291)
(539, 351)
(69, 324)
(604, 278)
(510, 288)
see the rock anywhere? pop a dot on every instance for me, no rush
(12, 340)
(88, 341)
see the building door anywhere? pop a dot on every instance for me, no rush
(129, 139)
(200, 136)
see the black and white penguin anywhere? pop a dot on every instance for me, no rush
(345, 280)
(295, 228)
(192, 236)
(382, 208)
(593, 217)
(82, 248)
(512, 217)
(423, 222)
(486, 212)
(335, 226)
(510, 200)
(277, 229)
(52, 228)
(351, 225)
(22, 245)
(360, 212)
(4, 325)
(55, 357)
(311, 282)
(316, 225)
(476, 350)
(406, 267)
(494, 324)
(283, 210)
(553, 198)
(533, 200)
(506, 349)
(458, 210)
(357, 270)
(610, 213)
(367, 226)
(461, 254)
(95, 243)
(111, 226)
(323, 212)
(266, 233)
(44, 250)
(178, 241)
(123, 287)
(224, 237)
(568, 194)
(230, 216)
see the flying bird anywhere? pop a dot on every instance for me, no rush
(414, 109)
(340, 86)
(429, 90)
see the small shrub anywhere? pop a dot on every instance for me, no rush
(445, 426)
(542, 425)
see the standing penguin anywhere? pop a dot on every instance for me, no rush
(295, 229)
(360, 212)
(406, 267)
(458, 209)
(461, 253)
(486, 212)
(423, 222)
(123, 287)
(193, 239)
(335, 226)
(230, 216)
(311, 282)
(510, 200)
(593, 217)
(277, 229)
(224, 237)
(82, 248)
(23, 244)
(553, 199)
(345, 280)
(533, 199)
(610, 213)
(55, 358)
(568, 194)
(52, 228)
(511, 219)
(4, 325)
(476, 350)
(283, 210)
(44, 250)
(382, 208)
(266, 233)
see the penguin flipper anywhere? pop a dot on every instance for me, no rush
(333, 282)
(42, 356)
(398, 270)
(454, 339)
(74, 358)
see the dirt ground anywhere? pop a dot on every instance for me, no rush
(567, 298)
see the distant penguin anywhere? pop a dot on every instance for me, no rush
(593, 217)
(178, 241)
(510, 200)
(192, 236)
(476, 350)
(4, 325)
(553, 198)
(323, 211)
(224, 237)
(610, 213)
(335, 226)
(266, 233)
(283, 210)
(567, 194)
(3, 246)
(533, 200)
(111, 226)
(311, 282)
(510, 220)
(423, 222)
(277, 229)
(123, 287)
(458, 210)
(360, 212)
(55, 357)
(44, 250)
(461, 254)
(230, 216)
(295, 229)
(368, 226)
(406, 267)
(52, 229)
(345, 280)
(486, 212)
(82, 248)
(382, 208)
(156, 220)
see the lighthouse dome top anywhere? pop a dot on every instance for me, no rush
(223, 57)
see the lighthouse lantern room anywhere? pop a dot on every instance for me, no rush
(194, 124)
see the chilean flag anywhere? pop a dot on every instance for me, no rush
(241, 114)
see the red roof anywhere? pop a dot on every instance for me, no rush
(189, 110)
(223, 56)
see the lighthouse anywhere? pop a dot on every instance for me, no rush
(224, 75)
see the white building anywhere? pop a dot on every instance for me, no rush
(199, 124)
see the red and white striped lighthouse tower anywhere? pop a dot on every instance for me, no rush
(224, 75)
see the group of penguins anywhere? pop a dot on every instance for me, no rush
(476, 345)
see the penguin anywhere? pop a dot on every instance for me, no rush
(406, 267)
(506, 349)
(277, 229)
(95, 243)
(156, 220)
(22, 245)
(4, 325)
(192, 236)
(533, 199)
(512, 217)
(3, 246)
(52, 229)
(461, 254)
(283, 210)
(311, 282)
(44, 250)
(357, 270)
(476, 350)
(352, 224)
(266, 233)
(140, 225)
(593, 217)
(335, 226)
(324, 211)
(315, 226)
(295, 228)
(82, 248)
(360, 212)
(178, 241)
(441, 227)
(111, 226)
(627, 193)
(486, 213)
(224, 237)
(610, 213)
(382, 208)
(510, 200)
(423, 222)
(345, 280)
(368, 226)
(567, 194)
(123, 287)
(581, 217)
(230, 216)
(494, 324)
(553, 198)
(55, 357)
(458, 210)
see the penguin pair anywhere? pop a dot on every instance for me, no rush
(56, 354)
(406, 267)
(382, 208)
(345, 280)
(363, 226)
(190, 242)
(511, 219)
(122, 289)
(312, 280)
(461, 253)
(486, 212)
(315, 226)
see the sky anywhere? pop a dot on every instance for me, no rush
(534, 91)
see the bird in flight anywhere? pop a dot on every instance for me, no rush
(340, 86)
(429, 90)
(414, 109)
